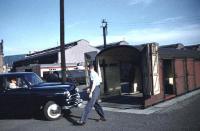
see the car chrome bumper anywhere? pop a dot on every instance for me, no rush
(73, 101)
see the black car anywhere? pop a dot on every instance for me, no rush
(26, 91)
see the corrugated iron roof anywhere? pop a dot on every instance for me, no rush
(54, 49)
(177, 53)
(193, 47)
(101, 47)
(168, 51)
(175, 46)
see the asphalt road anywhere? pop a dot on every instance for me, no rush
(184, 116)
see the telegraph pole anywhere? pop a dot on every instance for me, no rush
(62, 41)
(1, 47)
(104, 26)
(1, 56)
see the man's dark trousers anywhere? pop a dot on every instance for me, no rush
(93, 102)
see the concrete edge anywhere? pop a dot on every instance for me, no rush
(154, 108)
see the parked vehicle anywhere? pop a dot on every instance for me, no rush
(76, 76)
(33, 95)
(73, 76)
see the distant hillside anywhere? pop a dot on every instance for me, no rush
(8, 60)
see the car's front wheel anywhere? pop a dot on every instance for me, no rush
(52, 111)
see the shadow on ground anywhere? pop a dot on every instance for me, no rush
(118, 101)
(73, 119)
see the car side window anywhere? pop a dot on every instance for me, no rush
(16, 82)
(22, 83)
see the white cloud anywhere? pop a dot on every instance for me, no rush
(72, 25)
(168, 20)
(185, 34)
(135, 2)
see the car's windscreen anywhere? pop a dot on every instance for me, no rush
(33, 79)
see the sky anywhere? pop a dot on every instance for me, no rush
(33, 25)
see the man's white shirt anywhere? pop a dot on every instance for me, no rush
(95, 78)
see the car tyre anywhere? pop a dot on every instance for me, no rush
(52, 111)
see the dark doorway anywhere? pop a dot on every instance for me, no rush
(126, 77)
(168, 77)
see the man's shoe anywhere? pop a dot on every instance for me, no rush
(80, 123)
(102, 119)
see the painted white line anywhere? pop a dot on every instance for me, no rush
(151, 109)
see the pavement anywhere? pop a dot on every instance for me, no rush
(126, 108)
(157, 107)
(179, 114)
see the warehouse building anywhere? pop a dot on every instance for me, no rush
(49, 60)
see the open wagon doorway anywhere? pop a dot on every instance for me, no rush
(168, 78)
(120, 68)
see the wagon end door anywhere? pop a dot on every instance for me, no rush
(180, 80)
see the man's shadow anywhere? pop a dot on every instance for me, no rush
(73, 119)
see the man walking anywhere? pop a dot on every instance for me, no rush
(94, 92)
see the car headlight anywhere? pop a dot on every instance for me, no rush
(67, 93)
